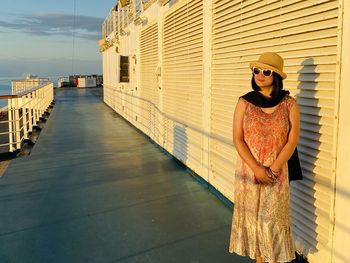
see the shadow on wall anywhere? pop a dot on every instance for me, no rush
(180, 143)
(303, 204)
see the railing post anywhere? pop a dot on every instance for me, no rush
(30, 109)
(10, 123)
(24, 116)
(52, 93)
(38, 98)
(42, 99)
(40, 103)
(17, 124)
(36, 110)
(25, 109)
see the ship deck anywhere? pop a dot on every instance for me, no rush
(95, 189)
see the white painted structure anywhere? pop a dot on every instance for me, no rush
(62, 81)
(188, 65)
(86, 82)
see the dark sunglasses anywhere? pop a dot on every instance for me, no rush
(265, 72)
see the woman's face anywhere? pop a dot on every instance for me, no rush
(263, 81)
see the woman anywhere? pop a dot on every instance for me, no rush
(265, 134)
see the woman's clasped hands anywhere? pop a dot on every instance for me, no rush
(265, 175)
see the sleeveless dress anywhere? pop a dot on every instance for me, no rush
(261, 218)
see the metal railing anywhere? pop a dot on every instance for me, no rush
(23, 112)
(21, 85)
(123, 14)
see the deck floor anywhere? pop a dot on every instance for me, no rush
(95, 189)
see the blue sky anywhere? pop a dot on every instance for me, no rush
(36, 36)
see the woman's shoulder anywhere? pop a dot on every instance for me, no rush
(289, 101)
(241, 99)
(242, 102)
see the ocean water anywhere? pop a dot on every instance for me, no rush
(5, 89)
(5, 86)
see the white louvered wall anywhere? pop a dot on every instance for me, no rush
(120, 21)
(182, 81)
(111, 90)
(107, 89)
(106, 92)
(150, 117)
(304, 33)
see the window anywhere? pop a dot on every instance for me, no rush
(124, 69)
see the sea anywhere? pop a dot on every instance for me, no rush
(5, 89)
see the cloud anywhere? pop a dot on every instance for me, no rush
(49, 24)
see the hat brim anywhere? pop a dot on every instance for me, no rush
(265, 66)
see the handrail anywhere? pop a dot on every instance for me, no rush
(23, 93)
(23, 112)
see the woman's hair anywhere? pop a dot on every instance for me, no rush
(277, 84)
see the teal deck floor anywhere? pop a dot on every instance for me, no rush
(95, 189)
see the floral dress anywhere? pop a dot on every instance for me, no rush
(261, 219)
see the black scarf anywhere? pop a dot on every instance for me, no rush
(259, 100)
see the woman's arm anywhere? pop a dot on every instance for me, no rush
(293, 138)
(242, 148)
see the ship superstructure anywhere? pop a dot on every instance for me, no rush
(175, 70)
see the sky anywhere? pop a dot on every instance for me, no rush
(36, 37)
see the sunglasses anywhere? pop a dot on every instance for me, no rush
(265, 72)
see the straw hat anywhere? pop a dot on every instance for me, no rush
(272, 61)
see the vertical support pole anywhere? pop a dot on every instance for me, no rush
(162, 118)
(47, 95)
(41, 100)
(10, 123)
(30, 111)
(17, 123)
(24, 116)
(39, 103)
(36, 109)
(341, 240)
(45, 91)
(207, 58)
(52, 94)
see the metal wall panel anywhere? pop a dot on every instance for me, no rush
(111, 90)
(149, 103)
(305, 34)
(341, 239)
(182, 81)
(120, 21)
(105, 67)
(107, 89)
